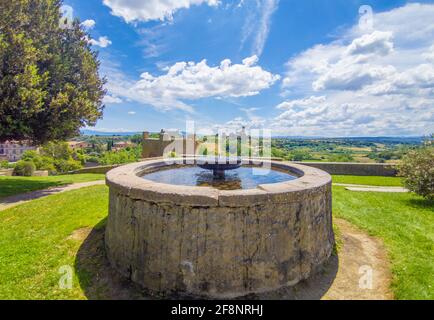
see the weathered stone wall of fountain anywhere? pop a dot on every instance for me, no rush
(221, 244)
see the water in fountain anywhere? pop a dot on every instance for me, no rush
(221, 172)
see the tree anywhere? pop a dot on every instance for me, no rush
(49, 80)
(56, 150)
(137, 139)
(417, 168)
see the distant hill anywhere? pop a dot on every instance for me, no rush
(387, 140)
(104, 133)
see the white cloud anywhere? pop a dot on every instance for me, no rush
(102, 42)
(268, 9)
(131, 113)
(187, 81)
(301, 103)
(234, 126)
(429, 56)
(376, 42)
(140, 10)
(375, 83)
(351, 76)
(88, 24)
(258, 23)
(108, 99)
(412, 24)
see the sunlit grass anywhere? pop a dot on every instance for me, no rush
(405, 222)
(14, 185)
(35, 243)
(373, 181)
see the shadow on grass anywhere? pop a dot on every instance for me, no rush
(420, 203)
(14, 186)
(95, 275)
(99, 281)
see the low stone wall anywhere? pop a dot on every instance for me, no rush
(99, 169)
(6, 172)
(221, 244)
(38, 173)
(41, 173)
(355, 169)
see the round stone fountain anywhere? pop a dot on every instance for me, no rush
(181, 237)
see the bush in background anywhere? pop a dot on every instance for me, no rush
(41, 162)
(4, 164)
(417, 168)
(24, 168)
(65, 166)
(127, 155)
(55, 157)
(344, 157)
(300, 155)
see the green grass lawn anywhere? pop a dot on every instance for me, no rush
(373, 181)
(14, 185)
(405, 223)
(35, 241)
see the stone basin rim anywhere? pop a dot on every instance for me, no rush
(126, 180)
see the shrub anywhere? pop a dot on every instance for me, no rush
(79, 156)
(120, 157)
(340, 158)
(24, 168)
(41, 162)
(47, 163)
(4, 164)
(65, 166)
(417, 168)
(300, 155)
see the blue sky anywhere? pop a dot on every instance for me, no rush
(312, 67)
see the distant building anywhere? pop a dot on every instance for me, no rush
(13, 150)
(122, 145)
(167, 143)
(76, 145)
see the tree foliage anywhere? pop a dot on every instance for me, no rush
(49, 80)
(417, 168)
(126, 155)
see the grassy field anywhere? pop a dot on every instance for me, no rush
(35, 241)
(373, 181)
(405, 223)
(14, 185)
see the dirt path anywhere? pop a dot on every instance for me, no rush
(359, 272)
(366, 188)
(378, 189)
(18, 199)
(360, 256)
